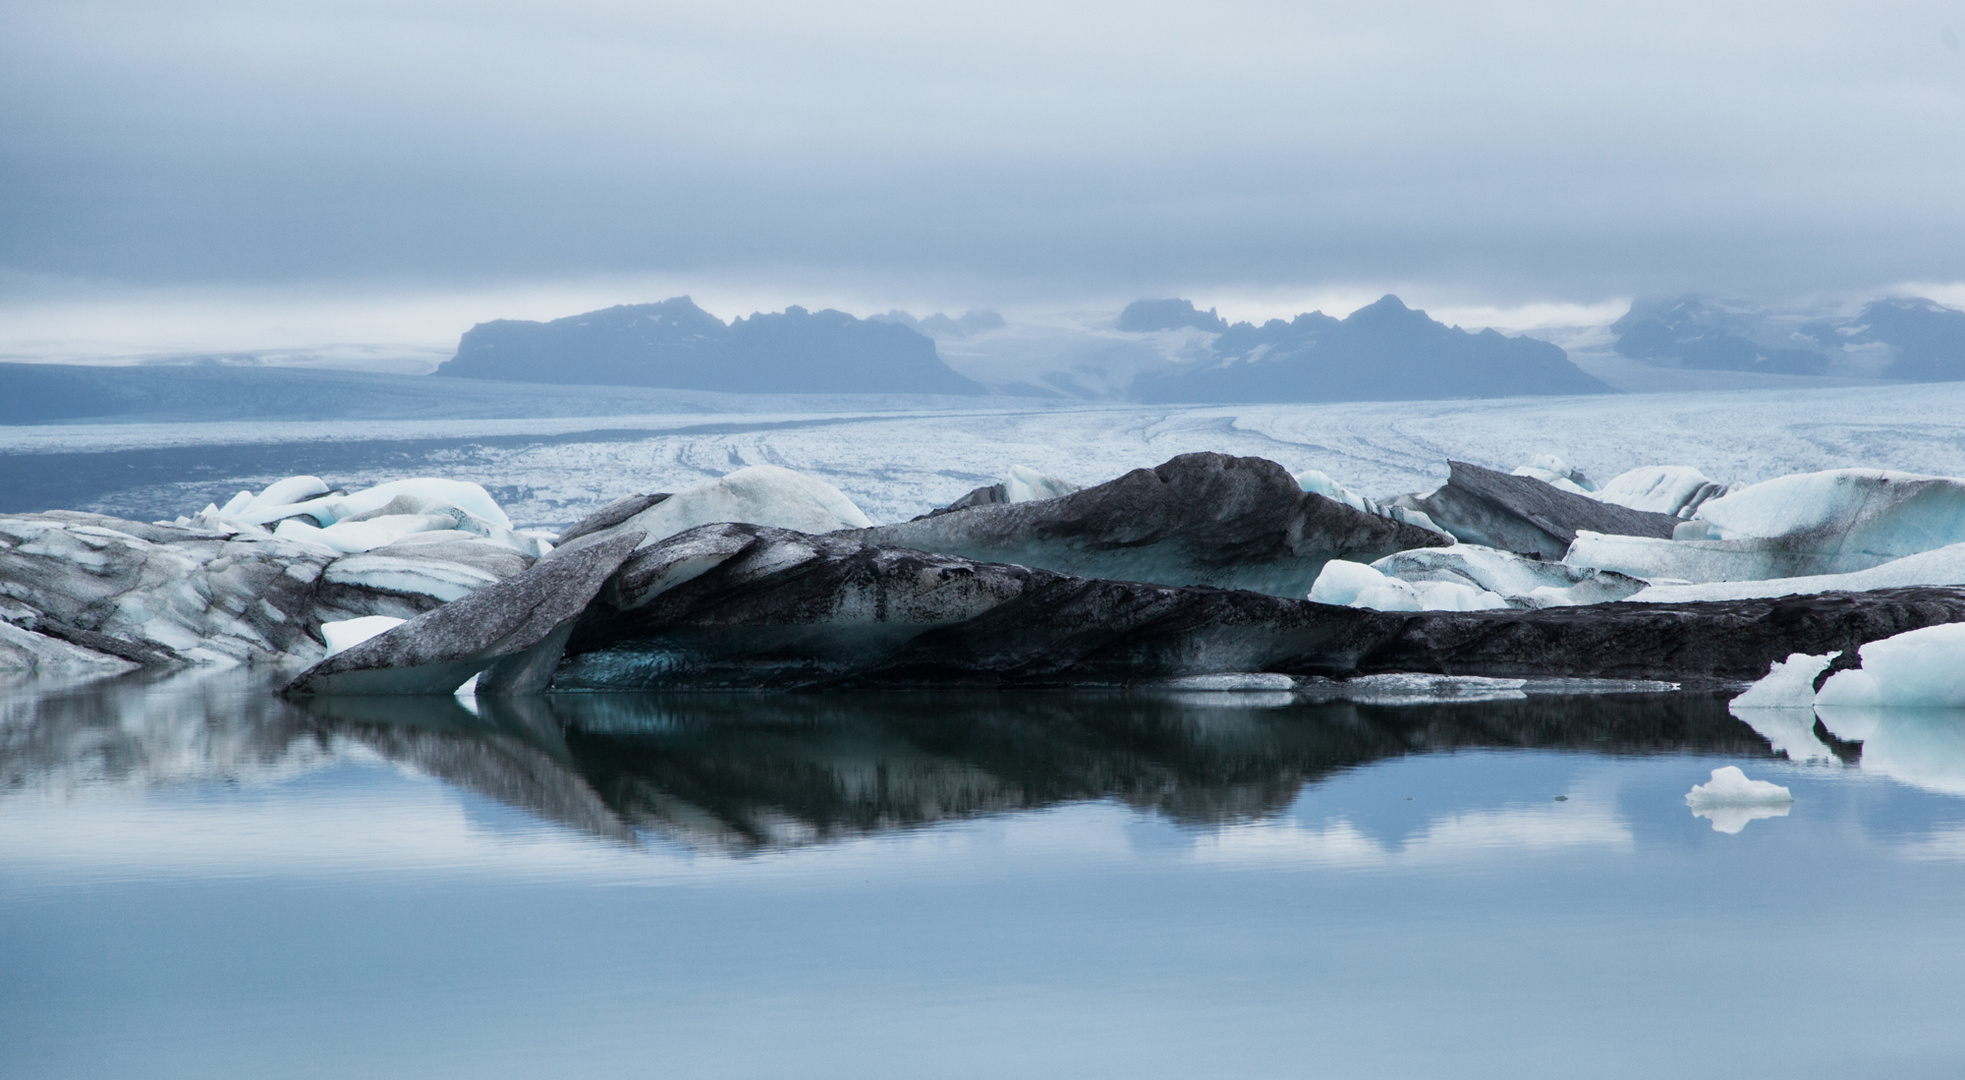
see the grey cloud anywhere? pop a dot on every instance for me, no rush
(1532, 149)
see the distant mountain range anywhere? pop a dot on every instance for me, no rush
(1907, 338)
(677, 345)
(1382, 352)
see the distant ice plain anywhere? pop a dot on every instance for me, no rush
(900, 456)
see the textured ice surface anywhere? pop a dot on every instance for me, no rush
(1522, 582)
(755, 495)
(1918, 669)
(470, 497)
(434, 577)
(22, 649)
(1788, 684)
(1944, 566)
(1837, 521)
(1678, 490)
(896, 458)
(344, 634)
(1872, 511)
(1730, 800)
(298, 510)
(1351, 584)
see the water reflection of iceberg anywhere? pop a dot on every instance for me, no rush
(1924, 748)
(739, 773)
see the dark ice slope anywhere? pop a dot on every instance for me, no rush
(1199, 519)
(1381, 352)
(1525, 515)
(677, 345)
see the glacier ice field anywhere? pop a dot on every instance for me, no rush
(896, 457)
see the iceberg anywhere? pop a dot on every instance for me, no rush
(1520, 581)
(440, 579)
(1348, 584)
(754, 495)
(1918, 669)
(1788, 684)
(1808, 525)
(1730, 800)
(1942, 566)
(1022, 485)
(302, 509)
(1678, 490)
(344, 634)
(1524, 514)
(1557, 473)
(1197, 519)
(22, 649)
(1870, 512)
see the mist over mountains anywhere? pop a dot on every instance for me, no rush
(1384, 351)
(1154, 351)
(1165, 351)
(1910, 339)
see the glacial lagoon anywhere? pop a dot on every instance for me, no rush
(199, 879)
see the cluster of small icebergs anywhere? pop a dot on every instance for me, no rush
(1839, 530)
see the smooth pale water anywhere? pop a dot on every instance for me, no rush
(199, 880)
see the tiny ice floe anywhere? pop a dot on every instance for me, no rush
(1416, 688)
(344, 634)
(1230, 680)
(1730, 800)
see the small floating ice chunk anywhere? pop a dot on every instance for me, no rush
(1730, 800)
(1231, 680)
(1917, 669)
(1788, 684)
(345, 634)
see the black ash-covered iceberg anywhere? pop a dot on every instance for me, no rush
(1199, 519)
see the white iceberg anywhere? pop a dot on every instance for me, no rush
(1025, 484)
(344, 634)
(442, 579)
(1917, 669)
(1556, 472)
(1730, 800)
(1678, 490)
(1349, 584)
(1788, 684)
(1520, 581)
(1319, 483)
(754, 495)
(1867, 511)
(302, 509)
(1827, 523)
(1943, 566)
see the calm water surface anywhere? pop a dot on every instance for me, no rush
(198, 880)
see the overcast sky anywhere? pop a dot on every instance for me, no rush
(1254, 155)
